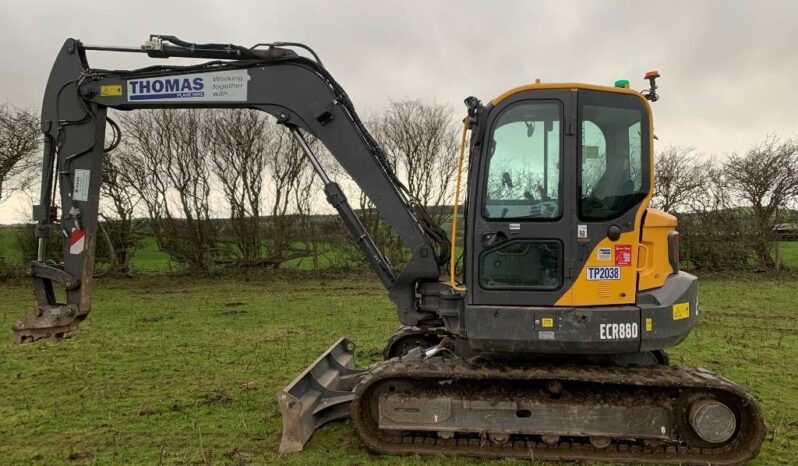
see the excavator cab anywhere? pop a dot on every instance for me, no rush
(591, 161)
(558, 231)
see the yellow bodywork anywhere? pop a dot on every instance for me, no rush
(584, 292)
(654, 263)
(650, 265)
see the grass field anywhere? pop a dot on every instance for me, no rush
(8, 246)
(789, 253)
(182, 370)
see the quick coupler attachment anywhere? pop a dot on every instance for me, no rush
(56, 322)
(320, 394)
(49, 319)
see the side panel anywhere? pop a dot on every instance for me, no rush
(668, 313)
(605, 277)
(516, 329)
(655, 263)
(662, 319)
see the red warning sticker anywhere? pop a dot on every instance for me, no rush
(77, 242)
(623, 255)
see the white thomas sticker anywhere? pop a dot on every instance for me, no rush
(604, 254)
(618, 331)
(214, 86)
(80, 185)
(603, 273)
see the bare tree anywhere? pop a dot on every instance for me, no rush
(715, 236)
(120, 226)
(766, 178)
(307, 230)
(172, 177)
(680, 176)
(286, 168)
(19, 139)
(240, 142)
(421, 142)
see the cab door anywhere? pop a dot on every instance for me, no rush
(522, 200)
(614, 183)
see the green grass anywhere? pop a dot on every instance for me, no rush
(182, 370)
(148, 258)
(329, 256)
(789, 253)
(8, 246)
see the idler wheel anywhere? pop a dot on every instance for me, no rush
(712, 421)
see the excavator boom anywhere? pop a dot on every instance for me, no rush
(297, 91)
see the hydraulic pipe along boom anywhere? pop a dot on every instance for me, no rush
(337, 199)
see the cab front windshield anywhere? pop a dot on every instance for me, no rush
(523, 173)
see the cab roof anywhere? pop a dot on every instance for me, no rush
(566, 86)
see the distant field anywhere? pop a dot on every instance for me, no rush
(149, 259)
(178, 370)
(789, 253)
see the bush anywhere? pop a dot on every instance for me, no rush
(28, 244)
(717, 240)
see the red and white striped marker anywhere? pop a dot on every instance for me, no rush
(77, 242)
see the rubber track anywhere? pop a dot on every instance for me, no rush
(743, 447)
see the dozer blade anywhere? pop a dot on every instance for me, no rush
(320, 394)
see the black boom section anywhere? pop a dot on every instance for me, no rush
(298, 91)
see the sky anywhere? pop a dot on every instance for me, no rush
(729, 68)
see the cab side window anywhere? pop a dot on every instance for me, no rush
(611, 176)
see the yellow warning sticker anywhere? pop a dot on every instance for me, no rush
(649, 324)
(681, 311)
(111, 90)
(547, 322)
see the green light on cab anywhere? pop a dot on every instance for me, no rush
(622, 83)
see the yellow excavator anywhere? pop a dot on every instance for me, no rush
(551, 345)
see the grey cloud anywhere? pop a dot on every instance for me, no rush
(728, 67)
